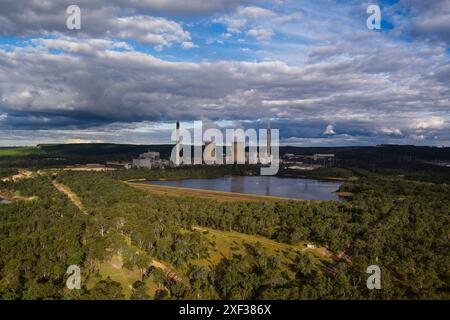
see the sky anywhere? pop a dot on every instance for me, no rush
(312, 68)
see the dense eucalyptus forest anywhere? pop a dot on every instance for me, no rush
(396, 220)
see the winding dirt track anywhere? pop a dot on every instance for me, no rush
(71, 195)
(23, 174)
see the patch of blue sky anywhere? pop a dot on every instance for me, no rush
(9, 43)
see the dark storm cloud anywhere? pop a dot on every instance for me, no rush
(39, 120)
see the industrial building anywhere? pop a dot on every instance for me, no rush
(210, 156)
(308, 162)
(150, 160)
(119, 165)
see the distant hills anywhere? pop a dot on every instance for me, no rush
(64, 154)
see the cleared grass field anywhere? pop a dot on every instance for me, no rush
(20, 151)
(227, 243)
(224, 244)
(115, 271)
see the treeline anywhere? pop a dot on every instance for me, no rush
(319, 173)
(369, 158)
(187, 172)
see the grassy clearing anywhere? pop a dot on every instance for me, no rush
(15, 196)
(344, 194)
(227, 243)
(116, 272)
(224, 244)
(20, 151)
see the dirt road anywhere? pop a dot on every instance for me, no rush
(71, 195)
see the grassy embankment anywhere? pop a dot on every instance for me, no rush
(205, 194)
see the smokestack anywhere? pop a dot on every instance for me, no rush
(177, 159)
(269, 139)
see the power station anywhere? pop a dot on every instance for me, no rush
(237, 154)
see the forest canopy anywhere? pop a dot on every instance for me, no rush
(395, 221)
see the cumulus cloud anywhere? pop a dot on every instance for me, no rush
(107, 20)
(159, 32)
(32, 17)
(349, 84)
(257, 22)
(430, 123)
(92, 83)
(392, 131)
(261, 34)
(255, 13)
(80, 46)
(188, 45)
(329, 130)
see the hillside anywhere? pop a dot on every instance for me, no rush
(47, 155)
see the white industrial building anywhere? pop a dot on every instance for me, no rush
(149, 160)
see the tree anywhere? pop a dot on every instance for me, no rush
(140, 291)
(106, 290)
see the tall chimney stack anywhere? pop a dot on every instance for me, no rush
(269, 139)
(177, 159)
